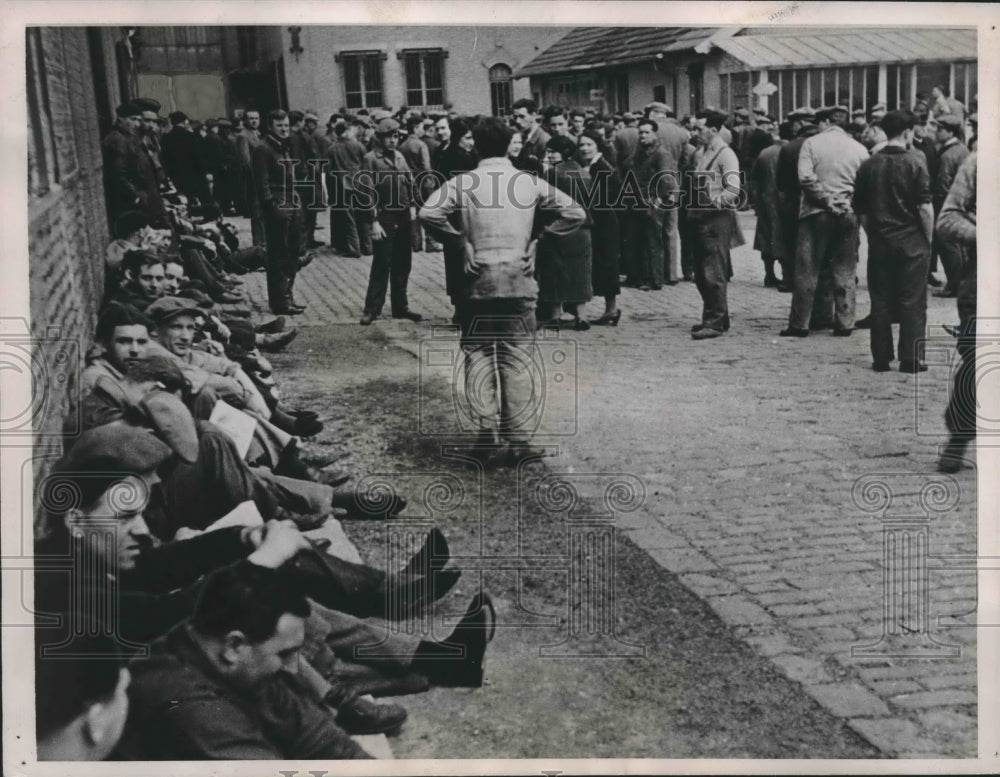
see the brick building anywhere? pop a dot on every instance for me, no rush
(473, 69)
(73, 83)
(774, 68)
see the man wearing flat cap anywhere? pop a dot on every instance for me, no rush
(673, 139)
(149, 133)
(859, 123)
(183, 160)
(828, 227)
(951, 154)
(129, 175)
(389, 184)
(803, 121)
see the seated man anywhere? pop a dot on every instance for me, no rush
(223, 685)
(80, 699)
(104, 537)
(123, 339)
(143, 276)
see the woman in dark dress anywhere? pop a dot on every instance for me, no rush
(455, 155)
(563, 262)
(602, 187)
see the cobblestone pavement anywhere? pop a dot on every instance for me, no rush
(763, 459)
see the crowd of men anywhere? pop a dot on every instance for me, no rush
(192, 501)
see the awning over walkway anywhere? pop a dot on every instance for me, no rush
(849, 47)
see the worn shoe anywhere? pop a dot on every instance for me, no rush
(458, 661)
(432, 557)
(272, 327)
(864, 323)
(409, 315)
(771, 282)
(361, 716)
(793, 331)
(932, 281)
(881, 366)
(784, 288)
(706, 333)
(278, 341)
(946, 293)
(838, 332)
(912, 366)
(228, 298)
(367, 319)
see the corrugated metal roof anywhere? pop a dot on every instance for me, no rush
(586, 48)
(840, 46)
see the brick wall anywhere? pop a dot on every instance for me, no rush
(67, 226)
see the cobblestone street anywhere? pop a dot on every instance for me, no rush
(763, 460)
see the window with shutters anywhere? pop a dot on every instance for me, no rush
(501, 89)
(423, 70)
(362, 71)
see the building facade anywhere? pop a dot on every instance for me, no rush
(773, 68)
(209, 71)
(468, 69)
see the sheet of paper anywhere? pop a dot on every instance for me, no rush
(235, 423)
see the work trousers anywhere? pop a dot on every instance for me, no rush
(831, 241)
(283, 227)
(711, 235)
(502, 389)
(897, 283)
(645, 262)
(391, 261)
(349, 232)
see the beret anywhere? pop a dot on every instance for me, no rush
(657, 106)
(114, 449)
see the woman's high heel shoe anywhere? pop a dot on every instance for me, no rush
(608, 319)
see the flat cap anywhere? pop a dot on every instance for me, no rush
(742, 113)
(113, 449)
(128, 109)
(629, 116)
(879, 108)
(310, 116)
(211, 123)
(147, 104)
(974, 118)
(950, 122)
(224, 123)
(166, 308)
(858, 112)
(828, 110)
(803, 112)
(657, 106)
(178, 117)
(197, 296)
(387, 127)
(362, 120)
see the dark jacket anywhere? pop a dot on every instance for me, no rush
(387, 183)
(181, 709)
(129, 176)
(786, 175)
(949, 160)
(179, 153)
(272, 175)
